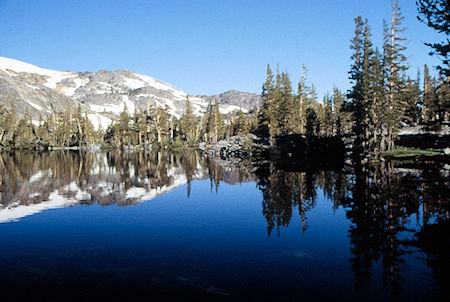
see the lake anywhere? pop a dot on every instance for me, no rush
(91, 226)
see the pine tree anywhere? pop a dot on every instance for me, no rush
(218, 123)
(286, 106)
(265, 113)
(430, 106)
(240, 123)
(208, 121)
(356, 94)
(435, 13)
(122, 129)
(395, 62)
(312, 123)
(79, 135)
(444, 98)
(141, 127)
(367, 89)
(410, 100)
(341, 117)
(328, 120)
(162, 125)
(302, 95)
(188, 123)
(379, 105)
(90, 135)
(23, 136)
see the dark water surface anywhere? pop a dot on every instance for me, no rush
(135, 226)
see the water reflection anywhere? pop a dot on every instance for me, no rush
(284, 190)
(390, 206)
(31, 182)
(395, 208)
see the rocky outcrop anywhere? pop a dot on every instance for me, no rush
(245, 100)
(232, 147)
(425, 137)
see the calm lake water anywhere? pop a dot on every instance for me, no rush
(121, 224)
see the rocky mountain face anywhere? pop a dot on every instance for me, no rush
(102, 95)
(245, 100)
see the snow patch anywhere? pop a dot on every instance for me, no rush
(99, 121)
(133, 83)
(36, 106)
(15, 213)
(113, 108)
(135, 192)
(225, 109)
(70, 91)
(31, 86)
(37, 123)
(161, 85)
(53, 76)
(130, 105)
(142, 195)
(36, 176)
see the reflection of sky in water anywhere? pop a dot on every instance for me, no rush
(209, 241)
(217, 242)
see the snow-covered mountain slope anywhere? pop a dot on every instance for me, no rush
(12, 67)
(103, 94)
(36, 91)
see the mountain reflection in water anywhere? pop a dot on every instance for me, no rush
(122, 178)
(396, 211)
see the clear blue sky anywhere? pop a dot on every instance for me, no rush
(202, 46)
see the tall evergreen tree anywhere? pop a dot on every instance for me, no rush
(265, 113)
(367, 88)
(410, 100)
(286, 106)
(312, 126)
(341, 117)
(302, 95)
(395, 62)
(218, 122)
(328, 120)
(356, 95)
(444, 98)
(379, 104)
(435, 13)
(430, 107)
(122, 128)
(188, 123)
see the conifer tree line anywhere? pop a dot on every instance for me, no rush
(59, 129)
(153, 126)
(383, 98)
(285, 112)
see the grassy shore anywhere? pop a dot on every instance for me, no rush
(404, 152)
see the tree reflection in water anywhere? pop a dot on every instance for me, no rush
(388, 204)
(394, 207)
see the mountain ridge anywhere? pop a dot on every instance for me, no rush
(102, 95)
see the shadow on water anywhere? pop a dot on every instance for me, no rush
(395, 209)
